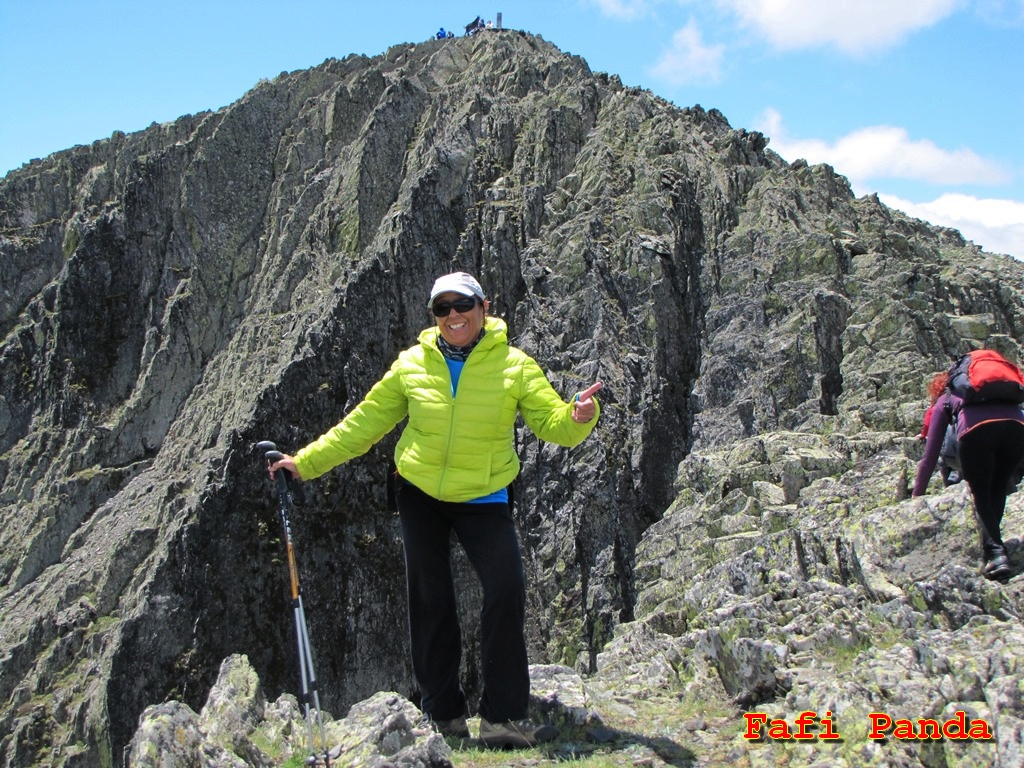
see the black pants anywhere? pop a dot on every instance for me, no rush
(989, 456)
(487, 534)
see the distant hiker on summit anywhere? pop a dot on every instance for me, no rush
(981, 400)
(461, 387)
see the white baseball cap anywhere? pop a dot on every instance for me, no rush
(456, 282)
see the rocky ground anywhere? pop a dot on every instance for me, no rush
(863, 609)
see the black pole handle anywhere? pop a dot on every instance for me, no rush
(272, 454)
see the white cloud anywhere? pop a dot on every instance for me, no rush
(853, 26)
(622, 9)
(689, 60)
(996, 226)
(885, 152)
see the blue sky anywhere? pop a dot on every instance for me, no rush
(919, 101)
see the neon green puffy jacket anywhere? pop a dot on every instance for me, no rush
(454, 449)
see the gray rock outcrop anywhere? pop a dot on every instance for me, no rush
(237, 727)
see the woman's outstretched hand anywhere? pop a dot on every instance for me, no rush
(584, 408)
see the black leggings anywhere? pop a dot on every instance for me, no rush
(488, 535)
(989, 456)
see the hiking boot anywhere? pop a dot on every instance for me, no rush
(998, 568)
(517, 734)
(455, 728)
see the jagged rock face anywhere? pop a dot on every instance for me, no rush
(173, 296)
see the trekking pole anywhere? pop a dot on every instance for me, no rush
(309, 687)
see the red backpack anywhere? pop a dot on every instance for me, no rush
(984, 375)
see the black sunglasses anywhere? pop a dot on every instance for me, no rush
(462, 306)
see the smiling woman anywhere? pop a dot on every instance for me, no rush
(462, 388)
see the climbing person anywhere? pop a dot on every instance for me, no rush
(461, 388)
(991, 447)
(441, 34)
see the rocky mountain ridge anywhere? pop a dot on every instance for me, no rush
(735, 537)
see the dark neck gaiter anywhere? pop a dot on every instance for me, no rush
(457, 353)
